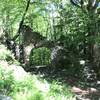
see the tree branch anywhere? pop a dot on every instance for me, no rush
(22, 20)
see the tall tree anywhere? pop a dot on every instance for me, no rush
(91, 9)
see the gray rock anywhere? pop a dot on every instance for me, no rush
(4, 97)
(59, 57)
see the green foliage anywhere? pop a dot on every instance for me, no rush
(10, 14)
(9, 86)
(7, 55)
(59, 91)
(31, 88)
(4, 53)
(40, 56)
(29, 95)
(6, 81)
(27, 89)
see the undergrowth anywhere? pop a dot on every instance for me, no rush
(30, 88)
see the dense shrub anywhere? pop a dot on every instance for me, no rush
(6, 55)
(40, 56)
(6, 81)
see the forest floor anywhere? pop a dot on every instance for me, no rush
(78, 87)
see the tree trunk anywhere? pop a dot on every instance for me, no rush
(93, 47)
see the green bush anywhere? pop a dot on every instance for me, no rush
(40, 56)
(31, 88)
(6, 54)
(60, 92)
(6, 81)
(26, 90)
(28, 95)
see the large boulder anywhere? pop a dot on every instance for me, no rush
(59, 57)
